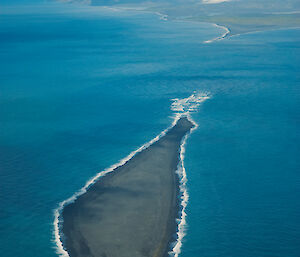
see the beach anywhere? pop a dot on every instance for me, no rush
(131, 211)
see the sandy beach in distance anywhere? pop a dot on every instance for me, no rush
(131, 211)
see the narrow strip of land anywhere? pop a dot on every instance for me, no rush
(131, 211)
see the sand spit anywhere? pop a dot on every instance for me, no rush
(131, 211)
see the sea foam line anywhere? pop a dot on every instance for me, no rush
(184, 196)
(263, 31)
(182, 107)
(227, 31)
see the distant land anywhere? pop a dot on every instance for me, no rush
(239, 16)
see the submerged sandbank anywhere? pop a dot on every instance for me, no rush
(131, 211)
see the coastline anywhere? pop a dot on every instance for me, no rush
(223, 36)
(165, 17)
(181, 193)
(235, 27)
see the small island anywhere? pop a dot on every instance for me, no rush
(131, 211)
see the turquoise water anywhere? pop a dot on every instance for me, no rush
(83, 87)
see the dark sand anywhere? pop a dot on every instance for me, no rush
(132, 211)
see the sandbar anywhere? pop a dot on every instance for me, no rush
(131, 211)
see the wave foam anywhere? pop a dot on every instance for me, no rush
(181, 107)
(227, 31)
(214, 1)
(189, 104)
(184, 196)
(184, 107)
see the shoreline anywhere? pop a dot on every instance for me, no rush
(223, 36)
(230, 28)
(165, 17)
(181, 192)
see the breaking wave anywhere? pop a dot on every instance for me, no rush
(184, 107)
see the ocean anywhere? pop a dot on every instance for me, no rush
(83, 87)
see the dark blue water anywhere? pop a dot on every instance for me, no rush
(80, 88)
(243, 161)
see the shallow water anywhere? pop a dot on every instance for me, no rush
(82, 88)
